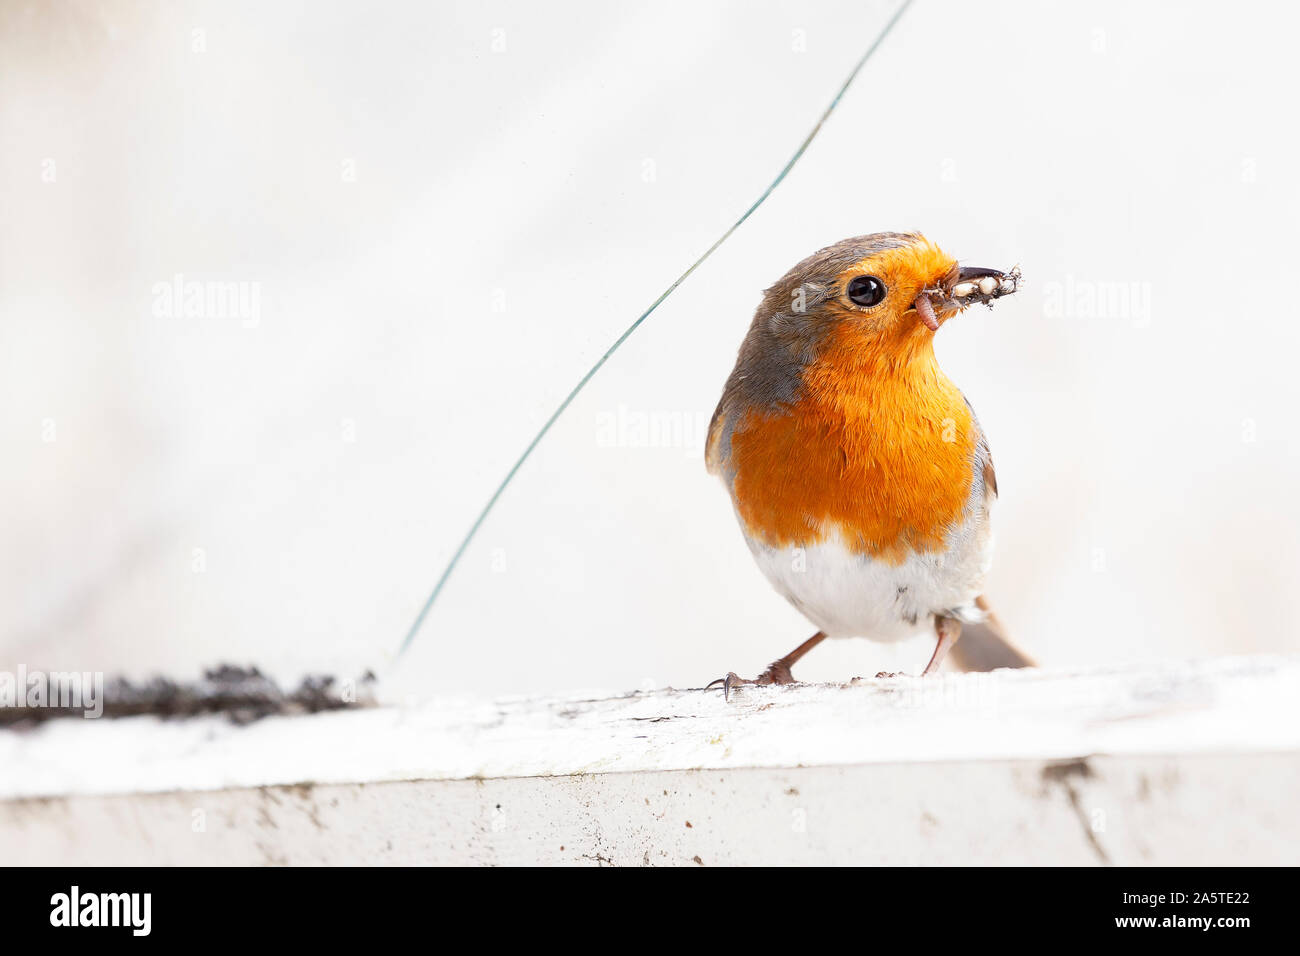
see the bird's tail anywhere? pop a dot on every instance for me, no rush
(985, 646)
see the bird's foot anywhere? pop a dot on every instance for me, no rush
(778, 672)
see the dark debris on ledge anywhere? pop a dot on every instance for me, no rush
(242, 694)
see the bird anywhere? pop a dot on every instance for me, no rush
(859, 473)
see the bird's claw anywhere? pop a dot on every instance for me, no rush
(728, 682)
(778, 672)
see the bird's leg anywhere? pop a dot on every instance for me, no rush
(948, 629)
(778, 672)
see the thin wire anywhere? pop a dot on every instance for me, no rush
(510, 475)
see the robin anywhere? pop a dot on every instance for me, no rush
(859, 474)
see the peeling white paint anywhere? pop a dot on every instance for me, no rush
(1228, 705)
(1172, 764)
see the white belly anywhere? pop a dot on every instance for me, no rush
(849, 595)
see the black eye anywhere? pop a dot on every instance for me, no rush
(866, 291)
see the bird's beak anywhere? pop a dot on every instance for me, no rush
(964, 287)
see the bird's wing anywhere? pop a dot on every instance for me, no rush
(985, 646)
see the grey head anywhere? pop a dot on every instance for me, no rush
(786, 333)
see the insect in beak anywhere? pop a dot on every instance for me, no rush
(968, 285)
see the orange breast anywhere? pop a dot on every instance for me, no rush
(881, 451)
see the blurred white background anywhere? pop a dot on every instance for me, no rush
(440, 215)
